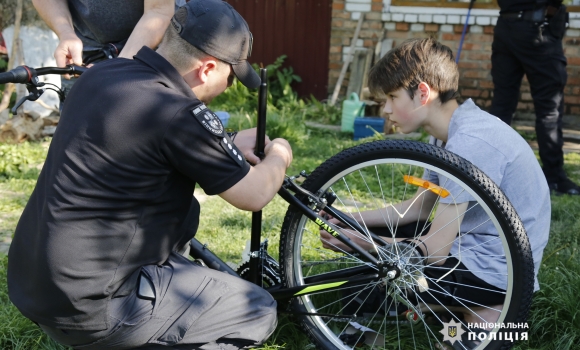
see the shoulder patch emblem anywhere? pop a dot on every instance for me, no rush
(232, 150)
(208, 120)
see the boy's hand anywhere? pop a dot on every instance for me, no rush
(337, 222)
(332, 243)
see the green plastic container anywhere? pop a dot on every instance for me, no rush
(351, 108)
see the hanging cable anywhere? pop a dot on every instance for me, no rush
(464, 30)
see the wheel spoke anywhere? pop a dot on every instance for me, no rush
(409, 307)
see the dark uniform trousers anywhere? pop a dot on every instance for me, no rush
(518, 49)
(194, 308)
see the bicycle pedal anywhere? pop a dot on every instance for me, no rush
(353, 339)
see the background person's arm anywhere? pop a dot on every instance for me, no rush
(150, 28)
(57, 16)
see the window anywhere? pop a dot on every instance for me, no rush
(573, 5)
(480, 4)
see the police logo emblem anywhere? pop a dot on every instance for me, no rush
(452, 331)
(208, 120)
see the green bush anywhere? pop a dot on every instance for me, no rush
(282, 100)
(278, 82)
(12, 97)
(21, 160)
(3, 65)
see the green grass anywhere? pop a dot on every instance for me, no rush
(19, 168)
(554, 320)
(555, 316)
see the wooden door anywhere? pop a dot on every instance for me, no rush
(299, 29)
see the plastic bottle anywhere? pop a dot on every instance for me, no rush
(351, 108)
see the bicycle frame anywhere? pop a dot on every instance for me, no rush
(373, 271)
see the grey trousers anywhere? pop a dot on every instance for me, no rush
(194, 308)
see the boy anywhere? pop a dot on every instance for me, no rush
(419, 81)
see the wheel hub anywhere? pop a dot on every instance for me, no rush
(406, 268)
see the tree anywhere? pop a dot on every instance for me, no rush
(29, 14)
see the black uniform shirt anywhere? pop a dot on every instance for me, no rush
(116, 190)
(507, 6)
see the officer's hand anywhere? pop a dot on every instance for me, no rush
(279, 148)
(69, 51)
(245, 140)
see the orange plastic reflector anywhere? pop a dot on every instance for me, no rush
(412, 180)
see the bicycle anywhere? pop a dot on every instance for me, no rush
(374, 299)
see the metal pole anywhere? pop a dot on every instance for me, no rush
(256, 236)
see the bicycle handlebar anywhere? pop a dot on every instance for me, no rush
(25, 74)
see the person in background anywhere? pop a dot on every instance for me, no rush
(93, 30)
(528, 40)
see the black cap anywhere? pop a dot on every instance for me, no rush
(214, 27)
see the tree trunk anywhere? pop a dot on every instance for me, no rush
(9, 88)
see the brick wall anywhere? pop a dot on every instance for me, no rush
(393, 24)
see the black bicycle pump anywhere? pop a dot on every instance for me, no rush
(254, 275)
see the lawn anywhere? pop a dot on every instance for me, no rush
(555, 316)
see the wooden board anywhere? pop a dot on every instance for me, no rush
(358, 70)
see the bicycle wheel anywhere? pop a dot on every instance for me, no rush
(415, 309)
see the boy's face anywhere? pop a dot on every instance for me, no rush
(404, 112)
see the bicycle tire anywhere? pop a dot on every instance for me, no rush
(301, 253)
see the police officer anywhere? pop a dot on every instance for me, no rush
(528, 40)
(94, 260)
